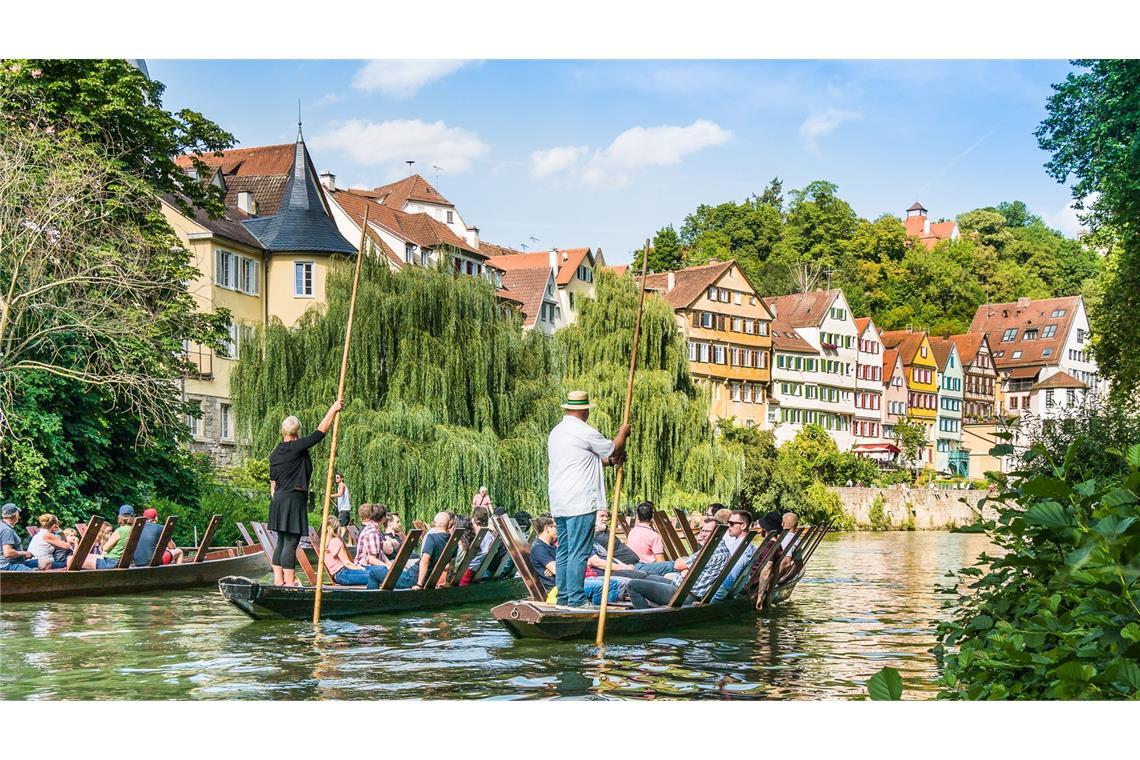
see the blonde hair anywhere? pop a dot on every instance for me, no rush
(290, 426)
(47, 520)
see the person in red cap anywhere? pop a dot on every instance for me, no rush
(172, 553)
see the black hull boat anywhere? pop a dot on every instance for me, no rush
(535, 619)
(262, 601)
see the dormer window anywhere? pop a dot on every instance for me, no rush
(410, 253)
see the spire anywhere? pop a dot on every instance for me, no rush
(303, 221)
(300, 137)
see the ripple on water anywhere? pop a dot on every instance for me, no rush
(868, 601)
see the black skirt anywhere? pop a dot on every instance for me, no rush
(289, 512)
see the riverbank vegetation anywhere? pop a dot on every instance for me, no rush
(446, 393)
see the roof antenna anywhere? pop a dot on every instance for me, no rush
(437, 168)
(300, 138)
(410, 164)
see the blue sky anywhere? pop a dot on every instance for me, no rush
(603, 153)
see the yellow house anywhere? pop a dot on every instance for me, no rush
(921, 371)
(267, 257)
(729, 340)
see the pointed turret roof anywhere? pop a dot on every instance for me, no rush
(303, 221)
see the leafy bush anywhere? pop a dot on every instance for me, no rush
(878, 516)
(1057, 614)
(821, 504)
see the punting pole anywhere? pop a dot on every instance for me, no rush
(621, 467)
(336, 424)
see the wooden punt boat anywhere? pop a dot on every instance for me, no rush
(494, 581)
(756, 588)
(202, 567)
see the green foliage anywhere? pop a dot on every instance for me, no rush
(109, 102)
(878, 516)
(1093, 132)
(885, 686)
(1083, 433)
(910, 437)
(1054, 615)
(665, 254)
(446, 394)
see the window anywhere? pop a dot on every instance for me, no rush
(248, 280)
(780, 361)
(712, 293)
(1081, 335)
(1049, 331)
(737, 324)
(748, 397)
(1046, 352)
(703, 353)
(735, 392)
(718, 354)
(225, 269)
(1016, 355)
(1048, 397)
(585, 274)
(738, 298)
(747, 357)
(1009, 335)
(194, 423)
(923, 351)
(761, 327)
(1058, 313)
(303, 279)
(692, 351)
(1029, 334)
(750, 326)
(450, 217)
(230, 344)
(410, 253)
(1070, 396)
(706, 319)
(723, 295)
(226, 422)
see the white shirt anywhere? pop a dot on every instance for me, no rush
(576, 485)
(342, 502)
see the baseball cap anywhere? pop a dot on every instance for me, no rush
(150, 513)
(126, 509)
(10, 509)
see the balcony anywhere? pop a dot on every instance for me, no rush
(201, 361)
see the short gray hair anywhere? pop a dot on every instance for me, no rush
(290, 426)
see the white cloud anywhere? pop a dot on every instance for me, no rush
(402, 79)
(327, 99)
(633, 149)
(550, 160)
(453, 149)
(1066, 219)
(821, 123)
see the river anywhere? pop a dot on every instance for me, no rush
(868, 600)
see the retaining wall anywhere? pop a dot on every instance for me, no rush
(913, 508)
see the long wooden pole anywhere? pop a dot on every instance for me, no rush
(336, 423)
(621, 467)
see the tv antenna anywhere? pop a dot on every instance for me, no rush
(437, 169)
(410, 165)
(829, 271)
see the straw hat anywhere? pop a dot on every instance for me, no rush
(577, 400)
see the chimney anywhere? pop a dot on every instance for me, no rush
(671, 281)
(246, 202)
(1022, 302)
(473, 235)
(555, 262)
(925, 225)
(328, 179)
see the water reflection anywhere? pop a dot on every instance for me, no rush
(868, 601)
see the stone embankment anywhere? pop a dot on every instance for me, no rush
(901, 508)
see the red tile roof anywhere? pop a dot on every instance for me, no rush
(413, 188)
(890, 359)
(803, 309)
(861, 325)
(245, 162)
(569, 259)
(496, 250)
(916, 227)
(906, 341)
(418, 228)
(354, 206)
(1060, 380)
(968, 346)
(994, 319)
(941, 348)
(528, 285)
(688, 284)
(785, 338)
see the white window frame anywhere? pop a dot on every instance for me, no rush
(300, 267)
(225, 422)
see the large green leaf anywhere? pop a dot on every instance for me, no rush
(1118, 497)
(1131, 632)
(1048, 514)
(1049, 488)
(1075, 671)
(885, 686)
(1129, 673)
(1112, 526)
(1001, 450)
(1132, 456)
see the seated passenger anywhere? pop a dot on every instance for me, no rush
(434, 542)
(47, 542)
(343, 570)
(12, 554)
(738, 523)
(370, 543)
(117, 542)
(543, 560)
(659, 591)
(643, 539)
(394, 533)
(148, 541)
(480, 518)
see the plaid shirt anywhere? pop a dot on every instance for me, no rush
(712, 569)
(369, 544)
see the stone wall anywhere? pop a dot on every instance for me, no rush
(913, 508)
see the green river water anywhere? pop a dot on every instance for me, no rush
(867, 600)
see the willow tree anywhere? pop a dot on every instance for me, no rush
(674, 457)
(446, 392)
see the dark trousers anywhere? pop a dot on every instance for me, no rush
(285, 553)
(652, 592)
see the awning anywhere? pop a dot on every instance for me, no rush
(889, 448)
(1023, 372)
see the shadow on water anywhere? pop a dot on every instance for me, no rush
(868, 601)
